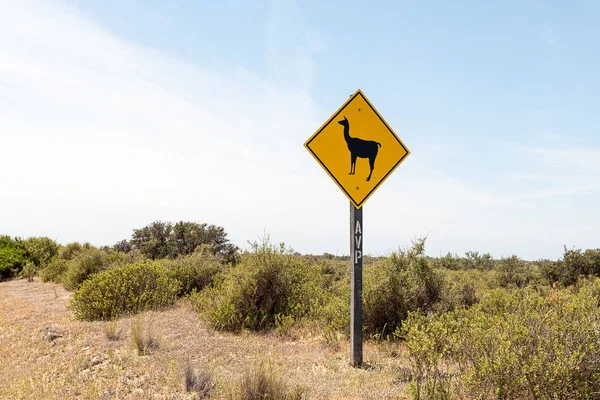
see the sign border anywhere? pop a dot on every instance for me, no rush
(339, 110)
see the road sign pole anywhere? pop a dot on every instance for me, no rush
(357, 131)
(356, 257)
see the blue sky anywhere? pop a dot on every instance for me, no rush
(114, 114)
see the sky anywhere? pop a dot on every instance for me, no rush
(115, 114)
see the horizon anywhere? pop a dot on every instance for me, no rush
(114, 115)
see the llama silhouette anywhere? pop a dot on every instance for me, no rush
(359, 148)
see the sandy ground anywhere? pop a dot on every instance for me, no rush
(45, 353)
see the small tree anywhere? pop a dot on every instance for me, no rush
(154, 240)
(123, 246)
(163, 239)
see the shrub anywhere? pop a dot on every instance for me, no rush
(575, 263)
(25, 257)
(550, 270)
(188, 236)
(195, 271)
(128, 288)
(461, 289)
(474, 260)
(28, 271)
(54, 271)
(41, 250)
(428, 347)
(403, 282)
(449, 261)
(270, 284)
(512, 272)
(592, 258)
(13, 256)
(86, 263)
(69, 251)
(335, 315)
(526, 343)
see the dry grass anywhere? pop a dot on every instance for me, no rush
(82, 362)
(261, 383)
(142, 336)
(197, 382)
(111, 330)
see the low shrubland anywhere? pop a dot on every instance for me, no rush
(473, 327)
(538, 343)
(574, 264)
(395, 286)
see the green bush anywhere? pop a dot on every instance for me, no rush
(513, 272)
(449, 261)
(87, 262)
(550, 271)
(54, 271)
(28, 271)
(30, 254)
(69, 251)
(164, 239)
(270, 286)
(474, 260)
(462, 289)
(128, 288)
(335, 314)
(574, 264)
(195, 271)
(13, 256)
(429, 346)
(592, 258)
(527, 343)
(41, 250)
(403, 282)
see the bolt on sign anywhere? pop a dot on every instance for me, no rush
(357, 148)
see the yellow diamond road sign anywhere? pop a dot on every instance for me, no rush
(357, 148)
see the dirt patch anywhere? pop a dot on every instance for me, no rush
(50, 297)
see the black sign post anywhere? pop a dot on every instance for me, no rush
(356, 260)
